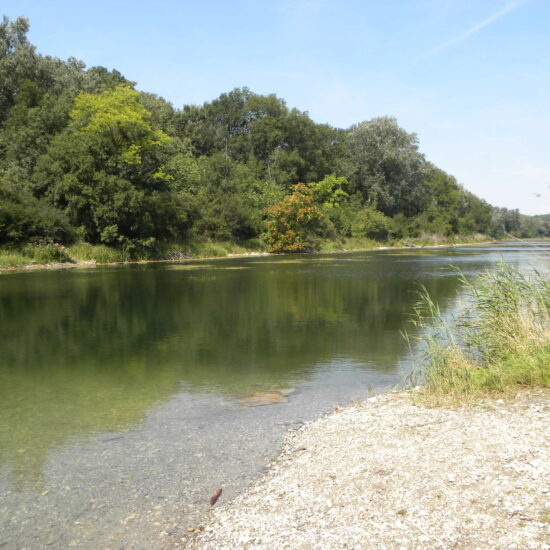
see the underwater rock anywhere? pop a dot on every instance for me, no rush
(266, 397)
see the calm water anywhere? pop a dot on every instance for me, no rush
(119, 386)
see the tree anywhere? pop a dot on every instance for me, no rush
(329, 192)
(105, 170)
(17, 60)
(117, 116)
(82, 152)
(385, 166)
(23, 219)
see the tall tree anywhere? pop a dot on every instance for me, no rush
(105, 171)
(385, 166)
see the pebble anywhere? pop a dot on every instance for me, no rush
(400, 475)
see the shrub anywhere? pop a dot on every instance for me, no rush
(371, 224)
(29, 218)
(293, 224)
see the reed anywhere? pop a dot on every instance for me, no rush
(497, 342)
(12, 259)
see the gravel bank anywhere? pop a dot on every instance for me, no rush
(389, 474)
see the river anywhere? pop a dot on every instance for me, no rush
(120, 385)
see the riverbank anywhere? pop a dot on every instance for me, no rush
(390, 473)
(83, 256)
(397, 472)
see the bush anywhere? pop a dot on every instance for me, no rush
(294, 223)
(371, 224)
(29, 218)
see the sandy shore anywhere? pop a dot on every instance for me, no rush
(388, 474)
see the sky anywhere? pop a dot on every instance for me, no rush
(470, 77)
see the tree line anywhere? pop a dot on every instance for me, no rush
(86, 157)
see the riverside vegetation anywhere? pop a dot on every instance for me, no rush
(92, 169)
(468, 473)
(497, 343)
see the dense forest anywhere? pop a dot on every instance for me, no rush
(85, 158)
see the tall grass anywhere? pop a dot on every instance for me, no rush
(40, 253)
(50, 253)
(351, 243)
(12, 259)
(498, 341)
(46, 253)
(164, 251)
(85, 252)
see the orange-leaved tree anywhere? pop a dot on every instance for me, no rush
(293, 223)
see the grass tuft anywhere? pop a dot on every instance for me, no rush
(43, 253)
(497, 343)
(12, 259)
(46, 253)
(85, 252)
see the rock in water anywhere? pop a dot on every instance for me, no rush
(263, 398)
(285, 391)
(214, 498)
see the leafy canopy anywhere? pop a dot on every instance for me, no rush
(117, 113)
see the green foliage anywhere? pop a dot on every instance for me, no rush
(83, 154)
(46, 253)
(24, 218)
(371, 224)
(506, 223)
(330, 191)
(212, 250)
(117, 116)
(12, 259)
(17, 61)
(289, 146)
(85, 252)
(385, 166)
(105, 173)
(292, 222)
(498, 342)
(37, 253)
(347, 244)
(542, 225)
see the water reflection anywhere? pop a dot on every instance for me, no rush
(94, 351)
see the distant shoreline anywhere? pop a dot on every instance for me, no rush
(252, 254)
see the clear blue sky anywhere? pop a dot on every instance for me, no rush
(470, 77)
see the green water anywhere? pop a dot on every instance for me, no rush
(92, 351)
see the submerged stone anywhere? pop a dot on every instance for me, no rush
(265, 398)
(285, 391)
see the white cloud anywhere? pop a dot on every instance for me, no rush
(509, 7)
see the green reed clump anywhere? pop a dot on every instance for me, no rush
(498, 341)
(12, 259)
(36, 253)
(46, 253)
(100, 253)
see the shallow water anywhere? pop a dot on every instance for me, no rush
(119, 386)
